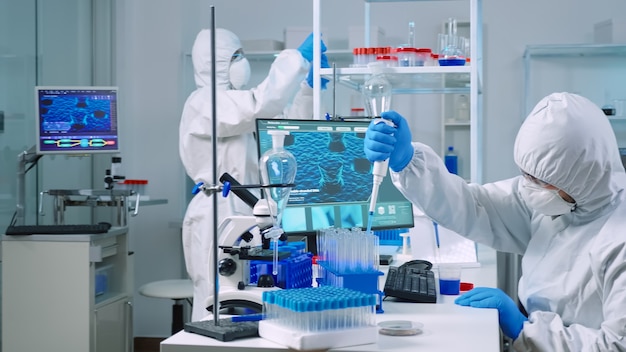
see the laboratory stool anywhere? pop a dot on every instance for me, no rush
(178, 290)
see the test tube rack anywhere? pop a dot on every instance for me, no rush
(319, 318)
(349, 259)
(293, 272)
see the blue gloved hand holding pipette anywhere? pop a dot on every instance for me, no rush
(383, 141)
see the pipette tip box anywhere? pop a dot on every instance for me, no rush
(318, 318)
(320, 340)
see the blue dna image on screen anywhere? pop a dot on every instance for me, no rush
(77, 120)
(333, 182)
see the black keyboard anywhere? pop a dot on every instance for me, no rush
(57, 229)
(411, 284)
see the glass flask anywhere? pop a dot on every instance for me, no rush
(451, 46)
(376, 91)
(277, 166)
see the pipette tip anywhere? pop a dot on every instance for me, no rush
(369, 222)
(436, 234)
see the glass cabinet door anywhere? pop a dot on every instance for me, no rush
(18, 68)
(48, 43)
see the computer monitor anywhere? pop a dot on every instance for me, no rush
(333, 181)
(74, 120)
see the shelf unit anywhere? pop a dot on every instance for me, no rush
(592, 70)
(341, 55)
(422, 80)
(580, 53)
(67, 292)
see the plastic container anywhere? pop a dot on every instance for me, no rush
(434, 59)
(423, 57)
(357, 112)
(449, 279)
(388, 60)
(452, 161)
(136, 186)
(102, 280)
(406, 56)
(462, 108)
(359, 57)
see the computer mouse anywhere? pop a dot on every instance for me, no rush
(107, 224)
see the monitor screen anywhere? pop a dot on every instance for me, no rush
(333, 180)
(76, 120)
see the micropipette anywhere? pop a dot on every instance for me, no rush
(377, 98)
(379, 171)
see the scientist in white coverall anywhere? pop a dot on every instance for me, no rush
(565, 213)
(286, 92)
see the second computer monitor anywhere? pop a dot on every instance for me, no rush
(333, 181)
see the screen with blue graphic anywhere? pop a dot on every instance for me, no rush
(76, 120)
(333, 181)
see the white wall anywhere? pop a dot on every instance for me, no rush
(153, 36)
(510, 26)
(149, 71)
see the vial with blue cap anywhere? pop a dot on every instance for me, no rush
(451, 159)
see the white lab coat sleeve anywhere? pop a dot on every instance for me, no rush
(545, 331)
(238, 109)
(491, 214)
(302, 106)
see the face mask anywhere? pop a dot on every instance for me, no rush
(239, 73)
(545, 201)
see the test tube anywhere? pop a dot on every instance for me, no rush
(411, 41)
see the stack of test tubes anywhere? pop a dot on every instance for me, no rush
(349, 258)
(318, 317)
(348, 250)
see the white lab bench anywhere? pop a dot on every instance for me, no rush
(447, 327)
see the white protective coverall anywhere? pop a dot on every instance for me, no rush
(237, 153)
(573, 282)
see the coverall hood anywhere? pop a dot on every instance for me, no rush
(226, 43)
(568, 142)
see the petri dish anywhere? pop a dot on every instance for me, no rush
(400, 328)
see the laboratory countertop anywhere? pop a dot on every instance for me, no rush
(113, 232)
(447, 327)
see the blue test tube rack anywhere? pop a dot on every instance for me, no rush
(349, 259)
(296, 271)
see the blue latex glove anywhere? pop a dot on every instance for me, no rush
(309, 77)
(510, 318)
(306, 48)
(386, 142)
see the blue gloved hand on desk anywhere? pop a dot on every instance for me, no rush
(510, 318)
(386, 142)
(306, 48)
(309, 77)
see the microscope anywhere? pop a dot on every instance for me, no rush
(241, 239)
